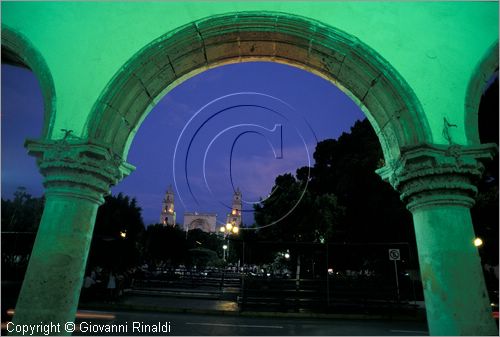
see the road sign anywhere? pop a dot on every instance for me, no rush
(394, 255)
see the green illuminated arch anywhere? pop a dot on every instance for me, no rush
(385, 97)
(18, 50)
(477, 84)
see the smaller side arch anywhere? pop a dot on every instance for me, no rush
(18, 50)
(477, 84)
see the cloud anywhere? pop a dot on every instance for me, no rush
(256, 174)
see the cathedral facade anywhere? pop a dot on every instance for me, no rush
(207, 222)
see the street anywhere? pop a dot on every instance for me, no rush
(194, 324)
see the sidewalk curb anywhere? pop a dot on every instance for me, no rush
(195, 295)
(134, 307)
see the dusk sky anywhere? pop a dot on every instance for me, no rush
(237, 125)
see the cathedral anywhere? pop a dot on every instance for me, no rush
(207, 222)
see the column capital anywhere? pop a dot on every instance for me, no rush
(78, 167)
(430, 174)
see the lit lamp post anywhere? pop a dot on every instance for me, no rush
(224, 248)
(227, 230)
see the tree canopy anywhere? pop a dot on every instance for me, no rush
(23, 213)
(116, 243)
(345, 200)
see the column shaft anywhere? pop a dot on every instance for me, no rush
(53, 280)
(455, 294)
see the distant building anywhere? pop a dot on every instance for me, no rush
(207, 222)
(167, 217)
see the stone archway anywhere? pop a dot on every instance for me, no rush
(436, 181)
(359, 71)
(17, 50)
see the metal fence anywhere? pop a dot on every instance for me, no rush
(302, 276)
(325, 277)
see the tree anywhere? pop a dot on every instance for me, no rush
(116, 242)
(171, 246)
(202, 258)
(346, 168)
(23, 213)
(345, 200)
(20, 219)
(165, 243)
(293, 213)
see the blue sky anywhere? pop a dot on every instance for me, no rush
(236, 125)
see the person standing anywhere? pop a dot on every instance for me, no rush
(111, 286)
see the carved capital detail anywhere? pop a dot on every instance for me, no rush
(430, 174)
(78, 166)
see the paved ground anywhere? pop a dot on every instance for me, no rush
(196, 324)
(166, 303)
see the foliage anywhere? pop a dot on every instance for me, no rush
(165, 243)
(345, 200)
(23, 213)
(20, 219)
(119, 214)
(346, 168)
(203, 257)
(173, 246)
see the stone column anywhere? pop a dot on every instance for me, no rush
(76, 176)
(437, 185)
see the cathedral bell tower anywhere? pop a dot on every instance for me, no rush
(234, 218)
(167, 217)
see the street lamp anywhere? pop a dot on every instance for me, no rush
(123, 234)
(478, 242)
(224, 247)
(226, 231)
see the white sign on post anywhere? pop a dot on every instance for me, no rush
(394, 255)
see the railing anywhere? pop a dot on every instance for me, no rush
(212, 280)
(268, 293)
(314, 295)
